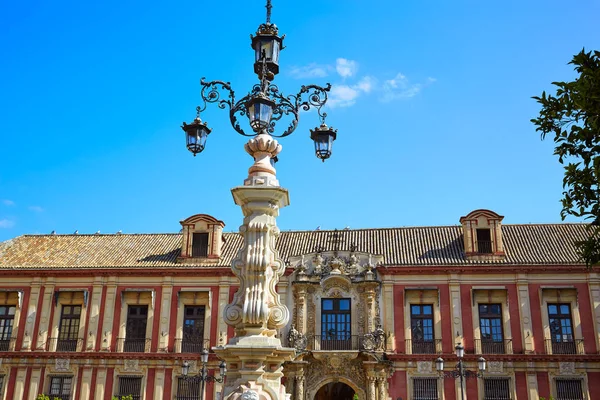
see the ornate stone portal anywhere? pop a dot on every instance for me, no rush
(360, 363)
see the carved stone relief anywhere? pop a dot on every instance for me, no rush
(424, 367)
(62, 364)
(131, 365)
(495, 367)
(321, 371)
(566, 368)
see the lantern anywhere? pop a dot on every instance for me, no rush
(195, 135)
(323, 136)
(260, 111)
(223, 368)
(204, 356)
(460, 350)
(481, 363)
(267, 44)
(439, 364)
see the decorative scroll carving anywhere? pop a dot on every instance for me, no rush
(256, 307)
(320, 264)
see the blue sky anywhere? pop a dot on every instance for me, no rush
(432, 100)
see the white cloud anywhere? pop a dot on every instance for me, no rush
(342, 96)
(6, 223)
(36, 208)
(400, 87)
(346, 95)
(311, 70)
(346, 68)
(366, 84)
(7, 202)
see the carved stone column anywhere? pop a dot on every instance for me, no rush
(255, 356)
(300, 386)
(301, 308)
(371, 389)
(381, 389)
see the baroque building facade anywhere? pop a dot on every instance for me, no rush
(91, 316)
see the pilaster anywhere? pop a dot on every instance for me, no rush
(165, 314)
(94, 314)
(31, 316)
(47, 304)
(525, 308)
(455, 305)
(159, 384)
(107, 324)
(34, 384)
(86, 383)
(100, 384)
(20, 383)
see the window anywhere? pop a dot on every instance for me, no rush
(7, 318)
(193, 329)
(425, 389)
(421, 325)
(200, 244)
(335, 324)
(490, 323)
(69, 328)
(496, 389)
(569, 389)
(60, 386)
(130, 386)
(484, 241)
(135, 334)
(187, 390)
(1, 385)
(561, 329)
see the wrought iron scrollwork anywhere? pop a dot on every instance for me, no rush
(309, 96)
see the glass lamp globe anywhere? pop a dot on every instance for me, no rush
(196, 134)
(323, 136)
(260, 111)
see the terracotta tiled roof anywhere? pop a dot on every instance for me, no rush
(442, 245)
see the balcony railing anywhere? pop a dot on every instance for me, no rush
(424, 346)
(7, 344)
(487, 346)
(569, 346)
(60, 344)
(133, 345)
(326, 342)
(191, 345)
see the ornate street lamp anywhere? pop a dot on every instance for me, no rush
(265, 105)
(460, 371)
(203, 376)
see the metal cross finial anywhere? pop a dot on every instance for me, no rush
(269, 6)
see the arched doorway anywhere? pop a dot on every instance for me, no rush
(335, 391)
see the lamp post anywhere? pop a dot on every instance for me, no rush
(255, 354)
(203, 376)
(265, 105)
(460, 371)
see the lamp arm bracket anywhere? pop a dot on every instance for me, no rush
(312, 96)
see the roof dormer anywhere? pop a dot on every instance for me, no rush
(483, 235)
(202, 237)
